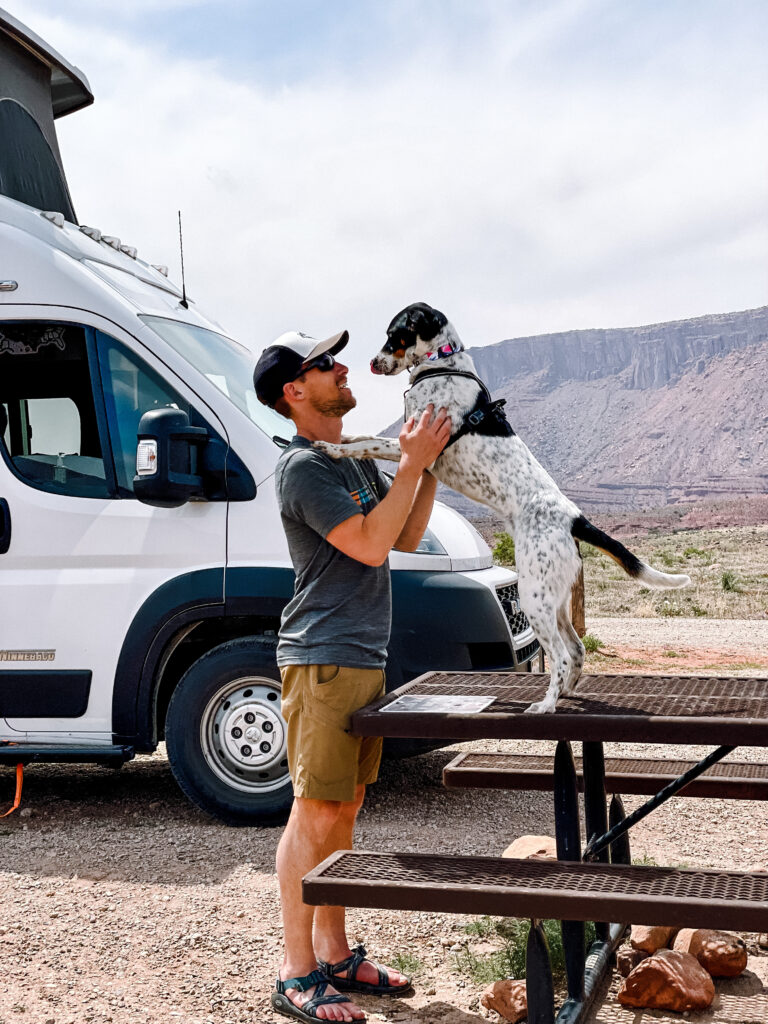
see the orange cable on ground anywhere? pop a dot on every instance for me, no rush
(19, 784)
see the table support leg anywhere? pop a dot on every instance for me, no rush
(595, 811)
(620, 851)
(576, 1011)
(539, 987)
(598, 843)
(569, 848)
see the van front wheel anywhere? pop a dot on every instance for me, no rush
(225, 735)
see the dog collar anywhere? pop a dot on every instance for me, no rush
(450, 348)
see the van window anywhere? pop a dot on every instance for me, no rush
(225, 363)
(131, 388)
(47, 410)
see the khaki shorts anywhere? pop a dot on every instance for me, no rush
(325, 761)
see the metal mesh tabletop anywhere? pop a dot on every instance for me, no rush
(640, 709)
(525, 888)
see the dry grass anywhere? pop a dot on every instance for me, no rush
(728, 569)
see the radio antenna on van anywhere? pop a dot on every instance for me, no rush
(184, 302)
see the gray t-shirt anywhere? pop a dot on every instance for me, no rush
(341, 609)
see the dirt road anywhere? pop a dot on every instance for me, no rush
(119, 902)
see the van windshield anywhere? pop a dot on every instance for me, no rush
(225, 363)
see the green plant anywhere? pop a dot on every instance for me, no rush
(667, 609)
(697, 610)
(592, 643)
(696, 553)
(406, 963)
(729, 582)
(504, 551)
(509, 961)
(670, 654)
(482, 928)
(646, 861)
(667, 559)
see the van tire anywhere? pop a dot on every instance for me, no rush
(225, 735)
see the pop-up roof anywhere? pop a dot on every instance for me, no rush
(70, 90)
(36, 86)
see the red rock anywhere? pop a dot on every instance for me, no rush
(532, 848)
(628, 959)
(649, 939)
(723, 954)
(668, 980)
(507, 998)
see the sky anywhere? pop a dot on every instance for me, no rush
(526, 166)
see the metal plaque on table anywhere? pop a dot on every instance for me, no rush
(438, 704)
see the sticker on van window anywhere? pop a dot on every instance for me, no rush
(29, 345)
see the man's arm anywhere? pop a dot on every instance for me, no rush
(369, 539)
(421, 510)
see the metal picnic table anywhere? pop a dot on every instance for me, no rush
(726, 712)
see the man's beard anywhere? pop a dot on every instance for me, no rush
(335, 407)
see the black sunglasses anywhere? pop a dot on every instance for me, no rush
(323, 363)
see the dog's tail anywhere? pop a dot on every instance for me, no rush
(582, 529)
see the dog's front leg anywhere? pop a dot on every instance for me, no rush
(387, 448)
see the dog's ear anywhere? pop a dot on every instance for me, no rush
(418, 319)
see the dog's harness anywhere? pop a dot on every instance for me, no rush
(486, 417)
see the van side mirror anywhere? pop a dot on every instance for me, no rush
(168, 459)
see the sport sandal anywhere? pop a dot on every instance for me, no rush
(307, 1012)
(351, 984)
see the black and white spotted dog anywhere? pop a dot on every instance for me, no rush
(487, 461)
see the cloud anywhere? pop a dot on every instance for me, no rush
(514, 173)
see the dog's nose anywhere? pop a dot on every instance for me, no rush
(374, 369)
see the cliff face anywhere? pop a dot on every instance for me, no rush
(642, 417)
(640, 357)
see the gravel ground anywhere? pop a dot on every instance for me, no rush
(746, 636)
(122, 903)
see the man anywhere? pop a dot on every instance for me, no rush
(341, 520)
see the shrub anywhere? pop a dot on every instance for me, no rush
(667, 609)
(729, 582)
(509, 962)
(406, 963)
(696, 553)
(592, 643)
(504, 552)
(668, 560)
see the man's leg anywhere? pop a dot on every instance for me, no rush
(306, 841)
(330, 934)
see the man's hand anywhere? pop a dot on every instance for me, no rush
(422, 442)
(370, 538)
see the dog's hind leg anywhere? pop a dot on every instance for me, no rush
(545, 626)
(572, 641)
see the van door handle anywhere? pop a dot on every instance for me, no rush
(5, 526)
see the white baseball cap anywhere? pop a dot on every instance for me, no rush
(282, 361)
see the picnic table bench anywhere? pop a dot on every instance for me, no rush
(638, 776)
(595, 882)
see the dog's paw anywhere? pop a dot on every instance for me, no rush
(327, 448)
(541, 707)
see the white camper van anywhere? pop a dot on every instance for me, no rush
(141, 601)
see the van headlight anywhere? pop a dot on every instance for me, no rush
(430, 545)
